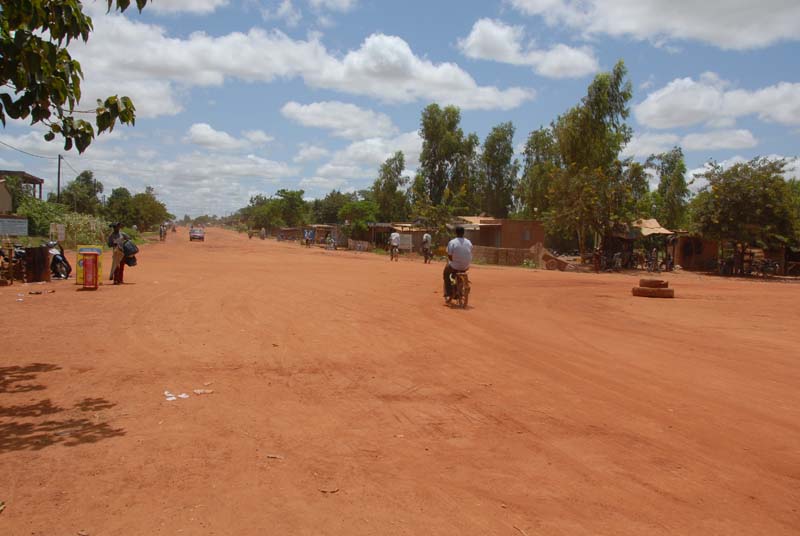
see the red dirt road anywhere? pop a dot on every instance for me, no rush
(348, 400)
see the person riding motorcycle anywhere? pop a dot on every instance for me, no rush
(459, 255)
(394, 246)
(426, 247)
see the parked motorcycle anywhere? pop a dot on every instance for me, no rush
(59, 265)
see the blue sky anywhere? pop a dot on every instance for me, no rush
(238, 98)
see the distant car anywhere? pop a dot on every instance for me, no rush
(197, 234)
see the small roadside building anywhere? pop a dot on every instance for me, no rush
(31, 183)
(501, 232)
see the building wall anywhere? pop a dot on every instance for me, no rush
(693, 253)
(521, 234)
(503, 256)
(5, 199)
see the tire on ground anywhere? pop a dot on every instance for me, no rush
(551, 264)
(653, 283)
(646, 292)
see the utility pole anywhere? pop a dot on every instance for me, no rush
(58, 184)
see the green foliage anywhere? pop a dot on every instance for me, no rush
(293, 208)
(577, 160)
(358, 214)
(498, 178)
(672, 193)
(749, 202)
(18, 190)
(83, 229)
(81, 194)
(326, 210)
(40, 214)
(119, 206)
(542, 159)
(42, 78)
(387, 194)
(147, 211)
(448, 158)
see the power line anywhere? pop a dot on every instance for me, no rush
(27, 153)
(70, 165)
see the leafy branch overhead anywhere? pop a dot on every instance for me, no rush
(44, 81)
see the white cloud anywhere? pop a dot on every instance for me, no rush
(361, 159)
(685, 102)
(310, 153)
(728, 24)
(719, 139)
(142, 61)
(643, 145)
(285, 11)
(497, 41)
(342, 119)
(697, 183)
(333, 5)
(205, 135)
(197, 7)
(322, 183)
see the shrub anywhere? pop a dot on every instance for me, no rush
(40, 214)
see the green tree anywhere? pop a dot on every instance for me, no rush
(81, 194)
(43, 81)
(542, 159)
(672, 194)
(447, 157)
(119, 206)
(387, 191)
(326, 210)
(293, 208)
(357, 214)
(147, 211)
(592, 190)
(750, 202)
(499, 171)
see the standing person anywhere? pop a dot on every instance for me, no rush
(115, 241)
(262, 234)
(394, 246)
(459, 255)
(162, 232)
(596, 255)
(426, 247)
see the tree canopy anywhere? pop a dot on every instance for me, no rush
(749, 202)
(387, 190)
(43, 78)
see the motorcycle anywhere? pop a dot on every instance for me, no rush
(461, 287)
(59, 265)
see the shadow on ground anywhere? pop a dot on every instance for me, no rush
(42, 424)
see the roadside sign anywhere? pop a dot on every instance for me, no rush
(61, 231)
(79, 276)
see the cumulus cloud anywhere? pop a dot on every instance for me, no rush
(141, 60)
(361, 159)
(686, 102)
(342, 119)
(719, 139)
(727, 24)
(645, 144)
(310, 153)
(197, 7)
(205, 135)
(333, 5)
(285, 11)
(497, 41)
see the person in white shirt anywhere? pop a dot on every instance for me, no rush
(394, 245)
(459, 253)
(426, 247)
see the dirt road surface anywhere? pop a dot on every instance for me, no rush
(349, 400)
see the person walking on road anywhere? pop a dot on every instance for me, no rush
(426, 247)
(115, 241)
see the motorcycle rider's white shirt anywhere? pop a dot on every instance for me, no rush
(426, 239)
(394, 239)
(460, 249)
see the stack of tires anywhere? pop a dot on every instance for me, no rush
(653, 288)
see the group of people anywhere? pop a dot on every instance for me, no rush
(459, 256)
